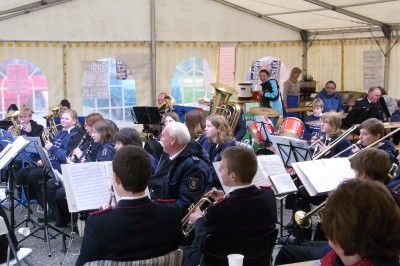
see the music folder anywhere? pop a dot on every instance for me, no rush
(12, 150)
(322, 176)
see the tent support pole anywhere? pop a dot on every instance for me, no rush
(153, 52)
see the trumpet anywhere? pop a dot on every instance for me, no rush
(186, 227)
(303, 219)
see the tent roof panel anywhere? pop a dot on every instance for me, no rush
(9, 4)
(380, 12)
(272, 6)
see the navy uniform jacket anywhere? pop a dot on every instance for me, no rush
(133, 230)
(311, 130)
(104, 153)
(244, 213)
(214, 152)
(341, 146)
(183, 178)
(240, 129)
(363, 102)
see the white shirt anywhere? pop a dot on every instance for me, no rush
(133, 198)
(176, 154)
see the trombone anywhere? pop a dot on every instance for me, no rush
(303, 219)
(348, 148)
(335, 142)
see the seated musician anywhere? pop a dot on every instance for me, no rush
(364, 164)
(130, 136)
(87, 145)
(371, 130)
(137, 228)
(360, 221)
(311, 132)
(182, 172)
(373, 99)
(63, 144)
(196, 124)
(103, 133)
(29, 127)
(330, 129)
(245, 212)
(220, 137)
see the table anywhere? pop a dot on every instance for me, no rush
(391, 124)
(304, 263)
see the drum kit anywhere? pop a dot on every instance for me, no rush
(290, 127)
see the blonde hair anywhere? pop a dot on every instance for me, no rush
(333, 119)
(225, 132)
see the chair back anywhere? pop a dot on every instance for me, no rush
(256, 250)
(173, 258)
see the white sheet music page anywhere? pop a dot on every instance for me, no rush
(283, 184)
(89, 184)
(271, 164)
(16, 147)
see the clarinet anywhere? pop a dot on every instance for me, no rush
(73, 157)
(89, 150)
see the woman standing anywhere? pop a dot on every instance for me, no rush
(291, 92)
(270, 93)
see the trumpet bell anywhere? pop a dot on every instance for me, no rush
(299, 218)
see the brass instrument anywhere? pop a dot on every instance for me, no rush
(335, 142)
(223, 106)
(348, 148)
(166, 107)
(303, 219)
(186, 227)
(16, 129)
(50, 132)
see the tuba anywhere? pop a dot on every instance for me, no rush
(223, 106)
(16, 129)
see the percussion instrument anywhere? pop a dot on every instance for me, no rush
(258, 133)
(268, 112)
(315, 122)
(291, 127)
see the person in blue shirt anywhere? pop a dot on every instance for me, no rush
(270, 93)
(332, 100)
(311, 132)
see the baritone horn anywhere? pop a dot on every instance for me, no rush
(303, 219)
(186, 227)
(223, 106)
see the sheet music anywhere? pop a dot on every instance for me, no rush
(261, 179)
(5, 150)
(216, 167)
(326, 174)
(283, 184)
(271, 164)
(88, 184)
(16, 147)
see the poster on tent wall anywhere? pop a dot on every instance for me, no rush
(95, 80)
(372, 68)
(273, 65)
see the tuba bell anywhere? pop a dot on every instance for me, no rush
(50, 132)
(16, 129)
(166, 107)
(223, 106)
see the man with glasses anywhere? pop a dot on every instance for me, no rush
(332, 101)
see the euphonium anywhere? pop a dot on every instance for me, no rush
(50, 132)
(166, 107)
(303, 219)
(16, 129)
(223, 106)
(186, 227)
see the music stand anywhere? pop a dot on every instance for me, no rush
(47, 169)
(291, 150)
(6, 124)
(359, 115)
(182, 110)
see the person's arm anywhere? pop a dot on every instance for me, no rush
(240, 129)
(286, 87)
(274, 91)
(90, 250)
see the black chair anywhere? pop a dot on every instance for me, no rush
(256, 250)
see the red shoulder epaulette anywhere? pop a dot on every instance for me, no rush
(218, 202)
(100, 212)
(166, 200)
(265, 187)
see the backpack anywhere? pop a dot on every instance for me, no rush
(268, 88)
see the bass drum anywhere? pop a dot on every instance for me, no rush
(291, 127)
(265, 152)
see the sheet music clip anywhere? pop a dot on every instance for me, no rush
(359, 115)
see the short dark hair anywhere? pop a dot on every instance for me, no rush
(265, 71)
(362, 217)
(373, 126)
(331, 81)
(129, 136)
(133, 167)
(374, 162)
(65, 103)
(242, 161)
(12, 107)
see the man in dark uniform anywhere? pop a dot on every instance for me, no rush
(373, 99)
(137, 228)
(245, 212)
(182, 172)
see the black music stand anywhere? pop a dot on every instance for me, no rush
(291, 150)
(47, 170)
(359, 115)
(6, 124)
(265, 134)
(146, 115)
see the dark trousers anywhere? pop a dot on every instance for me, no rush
(4, 240)
(314, 250)
(58, 202)
(33, 178)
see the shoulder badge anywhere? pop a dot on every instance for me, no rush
(100, 212)
(194, 183)
(166, 200)
(220, 201)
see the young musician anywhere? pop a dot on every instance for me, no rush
(29, 127)
(246, 211)
(103, 133)
(371, 130)
(196, 124)
(137, 228)
(220, 137)
(330, 129)
(311, 132)
(130, 136)
(360, 221)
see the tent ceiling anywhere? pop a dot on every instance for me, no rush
(325, 16)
